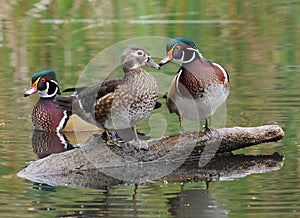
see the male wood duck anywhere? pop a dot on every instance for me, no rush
(118, 103)
(200, 85)
(46, 115)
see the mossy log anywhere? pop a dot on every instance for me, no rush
(175, 158)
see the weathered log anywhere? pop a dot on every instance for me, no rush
(220, 141)
(165, 155)
(220, 168)
(114, 165)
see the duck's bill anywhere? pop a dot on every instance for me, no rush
(30, 91)
(151, 63)
(166, 59)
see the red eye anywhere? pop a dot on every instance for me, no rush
(42, 80)
(177, 47)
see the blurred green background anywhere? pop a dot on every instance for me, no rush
(256, 41)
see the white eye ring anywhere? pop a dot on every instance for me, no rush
(140, 53)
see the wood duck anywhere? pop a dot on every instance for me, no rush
(46, 116)
(118, 103)
(200, 85)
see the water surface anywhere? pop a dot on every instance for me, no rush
(258, 43)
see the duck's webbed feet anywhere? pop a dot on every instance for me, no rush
(110, 138)
(209, 132)
(139, 144)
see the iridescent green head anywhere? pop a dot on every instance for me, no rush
(45, 83)
(182, 50)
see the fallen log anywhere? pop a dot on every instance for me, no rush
(113, 164)
(220, 168)
(220, 141)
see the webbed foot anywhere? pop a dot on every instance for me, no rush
(210, 133)
(111, 142)
(139, 145)
(110, 139)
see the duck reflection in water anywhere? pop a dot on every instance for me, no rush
(46, 143)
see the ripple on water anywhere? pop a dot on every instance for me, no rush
(269, 194)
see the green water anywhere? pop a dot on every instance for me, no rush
(256, 41)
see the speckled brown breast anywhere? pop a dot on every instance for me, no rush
(130, 103)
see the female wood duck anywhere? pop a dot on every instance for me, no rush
(45, 114)
(118, 103)
(200, 85)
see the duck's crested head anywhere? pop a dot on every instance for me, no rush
(45, 83)
(183, 50)
(183, 42)
(134, 57)
(46, 74)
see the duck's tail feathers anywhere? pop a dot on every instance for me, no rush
(165, 95)
(157, 105)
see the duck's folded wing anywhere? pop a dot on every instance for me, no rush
(85, 97)
(82, 102)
